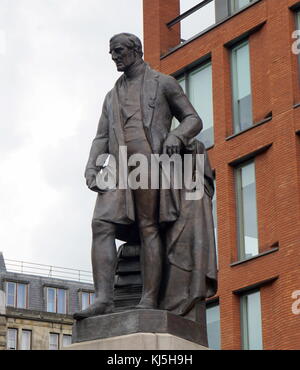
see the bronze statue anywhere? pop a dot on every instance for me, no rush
(176, 236)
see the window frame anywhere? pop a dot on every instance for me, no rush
(51, 334)
(56, 300)
(214, 303)
(30, 339)
(9, 330)
(237, 128)
(240, 222)
(185, 76)
(16, 285)
(90, 300)
(244, 322)
(63, 338)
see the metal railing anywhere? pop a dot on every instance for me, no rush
(188, 13)
(56, 272)
(194, 20)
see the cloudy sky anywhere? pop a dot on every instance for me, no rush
(55, 71)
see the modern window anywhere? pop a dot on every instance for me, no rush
(87, 298)
(57, 300)
(236, 5)
(54, 341)
(26, 340)
(197, 84)
(12, 338)
(67, 340)
(16, 294)
(197, 21)
(213, 326)
(251, 323)
(246, 210)
(241, 87)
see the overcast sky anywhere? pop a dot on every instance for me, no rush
(54, 73)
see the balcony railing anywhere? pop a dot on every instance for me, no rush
(195, 20)
(48, 271)
(206, 14)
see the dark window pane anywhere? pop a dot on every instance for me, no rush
(247, 211)
(200, 95)
(241, 87)
(26, 340)
(12, 335)
(67, 340)
(21, 295)
(213, 326)
(53, 341)
(245, 112)
(251, 321)
(51, 299)
(10, 294)
(85, 300)
(207, 137)
(61, 301)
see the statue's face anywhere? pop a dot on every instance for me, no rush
(121, 54)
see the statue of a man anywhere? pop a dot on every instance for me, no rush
(137, 113)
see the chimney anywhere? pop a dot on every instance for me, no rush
(2, 263)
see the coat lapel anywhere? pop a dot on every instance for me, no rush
(148, 95)
(116, 118)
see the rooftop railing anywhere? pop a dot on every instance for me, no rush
(48, 271)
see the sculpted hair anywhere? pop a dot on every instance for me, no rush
(131, 41)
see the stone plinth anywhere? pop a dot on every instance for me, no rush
(150, 328)
(138, 341)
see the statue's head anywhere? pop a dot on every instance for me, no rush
(125, 49)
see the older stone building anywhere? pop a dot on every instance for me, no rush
(37, 303)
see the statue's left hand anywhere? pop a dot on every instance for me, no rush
(172, 145)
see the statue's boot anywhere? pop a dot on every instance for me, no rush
(151, 266)
(104, 259)
(95, 309)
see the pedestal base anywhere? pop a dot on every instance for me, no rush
(149, 322)
(138, 341)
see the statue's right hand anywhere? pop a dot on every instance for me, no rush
(90, 177)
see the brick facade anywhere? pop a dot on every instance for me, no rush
(275, 139)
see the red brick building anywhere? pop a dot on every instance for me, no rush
(243, 78)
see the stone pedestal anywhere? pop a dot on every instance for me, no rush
(138, 341)
(138, 330)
